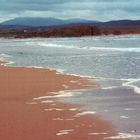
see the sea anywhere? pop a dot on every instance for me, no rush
(113, 61)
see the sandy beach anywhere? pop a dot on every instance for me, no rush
(25, 114)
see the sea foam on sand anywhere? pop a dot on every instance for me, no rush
(130, 83)
(64, 132)
(103, 133)
(124, 136)
(85, 113)
(58, 95)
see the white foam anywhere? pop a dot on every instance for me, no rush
(63, 71)
(85, 113)
(37, 67)
(124, 136)
(6, 62)
(73, 109)
(64, 132)
(103, 133)
(59, 71)
(47, 101)
(3, 55)
(54, 109)
(60, 119)
(78, 75)
(9, 63)
(56, 45)
(31, 103)
(48, 45)
(136, 89)
(129, 109)
(130, 83)
(124, 117)
(73, 81)
(106, 88)
(58, 95)
(43, 97)
(116, 49)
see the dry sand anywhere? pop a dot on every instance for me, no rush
(22, 118)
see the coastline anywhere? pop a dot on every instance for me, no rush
(26, 116)
(36, 37)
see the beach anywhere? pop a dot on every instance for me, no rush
(69, 70)
(70, 88)
(30, 110)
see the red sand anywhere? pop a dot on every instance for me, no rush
(22, 118)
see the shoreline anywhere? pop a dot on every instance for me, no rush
(36, 37)
(25, 116)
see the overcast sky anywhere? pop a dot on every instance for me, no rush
(103, 10)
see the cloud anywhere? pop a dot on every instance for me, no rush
(91, 9)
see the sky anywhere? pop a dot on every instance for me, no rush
(102, 10)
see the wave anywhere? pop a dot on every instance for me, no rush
(43, 44)
(55, 45)
(131, 83)
(109, 37)
(112, 87)
(4, 55)
(121, 37)
(37, 67)
(115, 49)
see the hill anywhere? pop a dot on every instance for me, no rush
(38, 22)
(119, 23)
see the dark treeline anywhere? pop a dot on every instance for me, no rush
(65, 31)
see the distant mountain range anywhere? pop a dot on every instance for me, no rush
(53, 27)
(120, 23)
(47, 22)
(38, 22)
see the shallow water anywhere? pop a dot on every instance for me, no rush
(115, 57)
(119, 105)
(114, 60)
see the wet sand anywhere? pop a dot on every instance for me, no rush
(25, 116)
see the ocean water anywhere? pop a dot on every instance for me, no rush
(113, 60)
